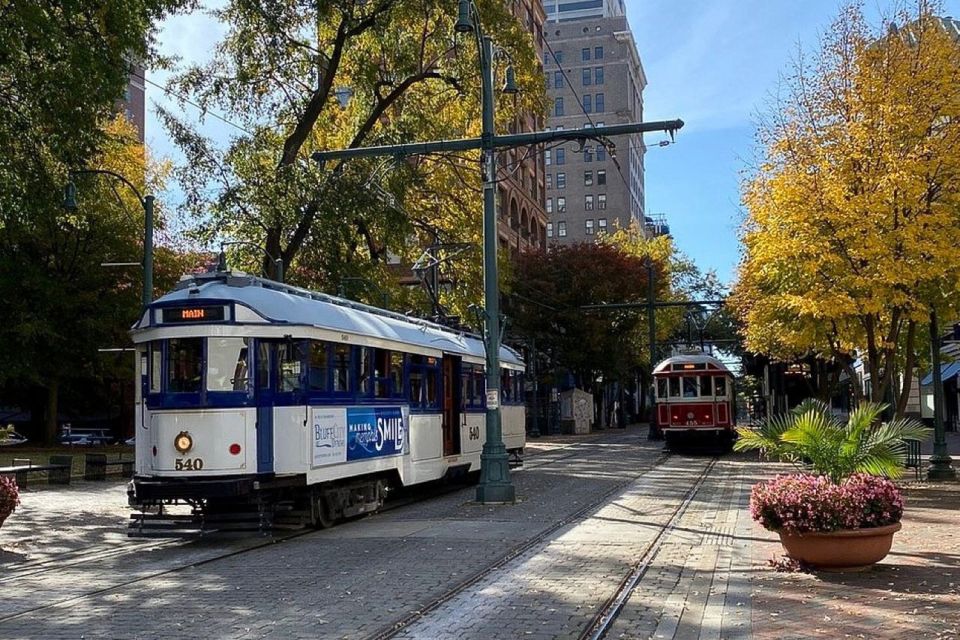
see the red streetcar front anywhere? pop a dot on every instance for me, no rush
(694, 397)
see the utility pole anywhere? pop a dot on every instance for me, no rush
(495, 484)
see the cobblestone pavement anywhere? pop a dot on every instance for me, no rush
(705, 575)
(349, 581)
(914, 593)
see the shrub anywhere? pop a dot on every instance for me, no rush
(802, 503)
(810, 436)
(9, 496)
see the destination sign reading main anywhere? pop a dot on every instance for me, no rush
(173, 315)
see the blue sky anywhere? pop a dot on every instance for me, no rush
(711, 63)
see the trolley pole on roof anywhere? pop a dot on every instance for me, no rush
(495, 483)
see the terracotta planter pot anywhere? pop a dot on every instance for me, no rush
(841, 549)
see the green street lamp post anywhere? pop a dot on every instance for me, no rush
(940, 462)
(495, 485)
(70, 203)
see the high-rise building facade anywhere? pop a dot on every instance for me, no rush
(594, 78)
(133, 105)
(563, 10)
(522, 218)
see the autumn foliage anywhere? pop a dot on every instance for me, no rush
(549, 292)
(853, 209)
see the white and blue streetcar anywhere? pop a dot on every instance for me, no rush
(259, 400)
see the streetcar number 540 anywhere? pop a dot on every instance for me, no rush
(188, 464)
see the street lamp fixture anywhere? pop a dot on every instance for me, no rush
(147, 202)
(464, 20)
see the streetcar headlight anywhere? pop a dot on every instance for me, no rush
(183, 442)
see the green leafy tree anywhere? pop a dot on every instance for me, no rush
(301, 76)
(63, 67)
(811, 435)
(549, 291)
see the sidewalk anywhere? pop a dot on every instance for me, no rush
(913, 593)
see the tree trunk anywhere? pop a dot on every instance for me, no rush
(50, 426)
(904, 395)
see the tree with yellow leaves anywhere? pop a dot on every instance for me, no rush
(853, 210)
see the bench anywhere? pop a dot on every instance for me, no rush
(58, 471)
(913, 460)
(96, 465)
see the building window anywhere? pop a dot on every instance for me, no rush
(549, 205)
(558, 79)
(561, 205)
(558, 106)
(597, 54)
(585, 54)
(602, 205)
(588, 227)
(587, 103)
(602, 225)
(547, 160)
(548, 82)
(549, 181)
(601, 153)
(586, 77)
(588, 178)
(561, 180)
(602, 173)
(562, 229)
(588, 155)
(558, 56)
(561, 156)
(598, 75)
(549, 229)
(598, 103)
(588, 202)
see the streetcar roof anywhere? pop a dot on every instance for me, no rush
(676, 364)
(279, 303)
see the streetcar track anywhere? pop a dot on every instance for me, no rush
(611, 609)
(52, 565)
(401, 625)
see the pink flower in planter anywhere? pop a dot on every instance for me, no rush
(802, 503)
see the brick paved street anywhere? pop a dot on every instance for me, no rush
(69, 572)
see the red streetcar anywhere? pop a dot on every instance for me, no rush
(694, 400)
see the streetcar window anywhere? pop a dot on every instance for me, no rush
(674, 387)
(416, 386)
(689, 387)
(381, 373)
(396, 374)
(290, 356)
(363, 376)
(184, 364)
(341, 368)
(507, 384)
(720, 384)
(424, 375)
(318, 370)
(263, 364)
(705, 388)
(156, 367)
(432, 387)
(661, 387)
(227, 364)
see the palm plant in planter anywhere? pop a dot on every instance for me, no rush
(839, 509)
(9, 497)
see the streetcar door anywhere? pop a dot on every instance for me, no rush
(451, 405)
(264, 398)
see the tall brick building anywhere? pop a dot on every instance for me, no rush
(588, 190)
(522, 218)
